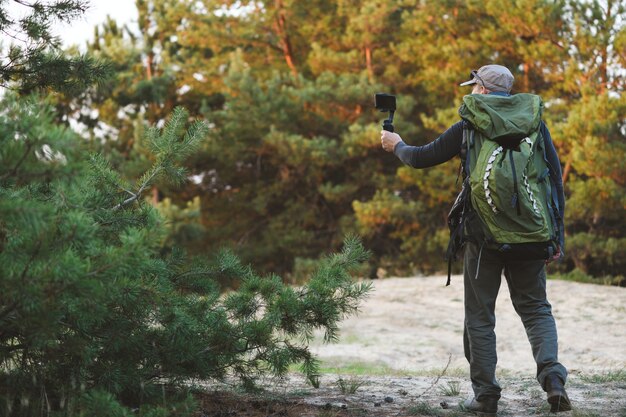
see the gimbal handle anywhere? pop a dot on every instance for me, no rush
(388, 123)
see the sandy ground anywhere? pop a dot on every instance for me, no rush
(415, 324)
(410, 329)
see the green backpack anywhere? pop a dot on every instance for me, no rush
(507, 180)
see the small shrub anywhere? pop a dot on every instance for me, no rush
(349, 386)
(451, 389)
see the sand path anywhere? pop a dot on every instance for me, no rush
(415, 324)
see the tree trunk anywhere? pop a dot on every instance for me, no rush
(568, 167)
(368, 62)
(153, 110)
(604, 76)
(280, 25)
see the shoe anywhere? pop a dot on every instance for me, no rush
(487, 407)
(557, 397)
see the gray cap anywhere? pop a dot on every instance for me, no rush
(492, 77)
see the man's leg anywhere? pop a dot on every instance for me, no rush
(479, 337)
(527, 284)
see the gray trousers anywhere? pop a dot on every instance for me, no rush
(527, 285)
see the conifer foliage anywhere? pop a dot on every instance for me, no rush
(33, 57)
(97, 318)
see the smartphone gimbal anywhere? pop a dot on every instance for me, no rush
(386, 103)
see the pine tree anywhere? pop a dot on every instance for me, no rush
(589, 119)
(96, 319)
(33, 57)
(196, 61)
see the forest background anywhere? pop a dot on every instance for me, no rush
(293, 163)
(141, 177)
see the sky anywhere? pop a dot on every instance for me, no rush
(81, 29)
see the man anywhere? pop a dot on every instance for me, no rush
(483, 266)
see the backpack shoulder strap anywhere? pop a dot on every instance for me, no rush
(466, 144)
(551, 197)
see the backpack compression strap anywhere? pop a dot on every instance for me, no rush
(456, 215)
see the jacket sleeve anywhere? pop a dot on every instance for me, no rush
(554, 165)
(442, 149)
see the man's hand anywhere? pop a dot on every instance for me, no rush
(556, 256)
(389, 140)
